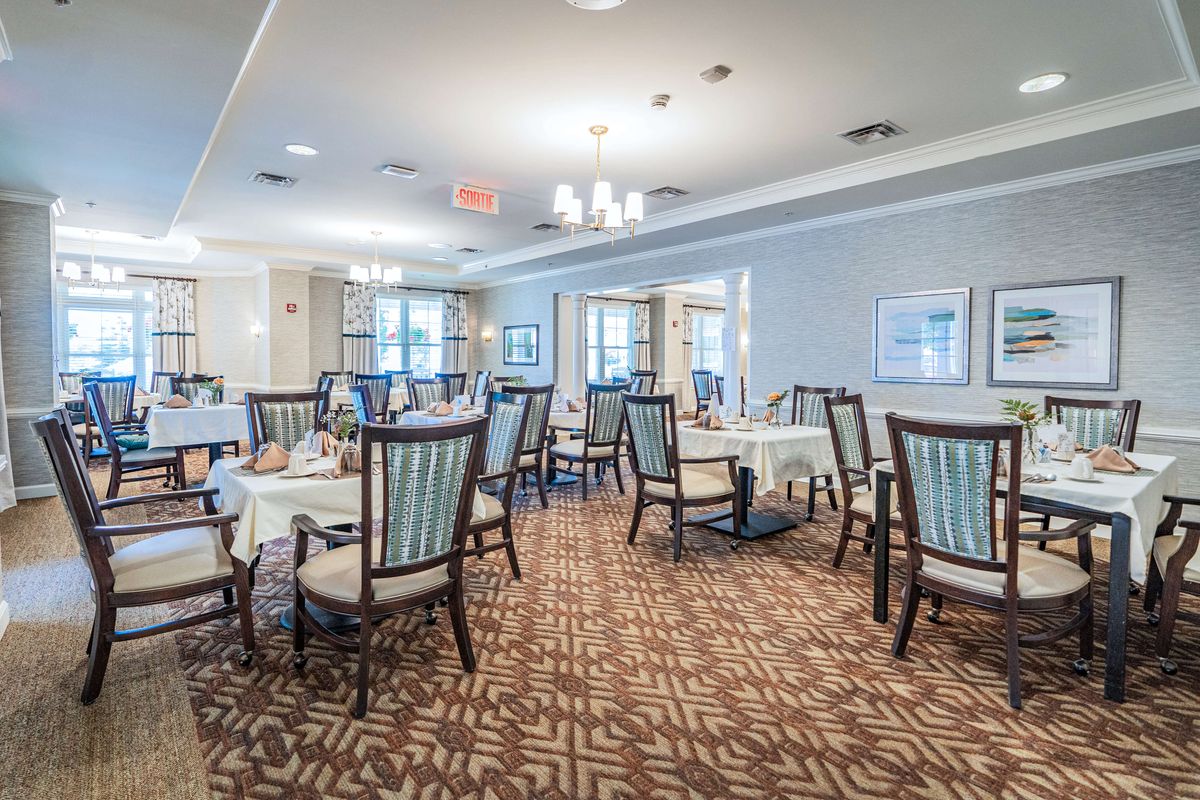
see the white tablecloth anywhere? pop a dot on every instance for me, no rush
(568, 419)
(265, 504)
(425, 418)
(140, 401)
(1138, 497)
(180, 427)
(396, 399)
(777, 455)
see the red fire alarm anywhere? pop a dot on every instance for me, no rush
(674, 323)
(291, 308)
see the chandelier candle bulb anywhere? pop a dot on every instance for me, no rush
(601, 197)
(71, 271)
(612, 217)
(376, 272)
(562, 199)
(633, 206)
(575, 214)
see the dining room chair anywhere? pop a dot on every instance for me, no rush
(457, 382)
(808, 409)
(400, 381)
(184, 558)
(508, 416)
(428, 482)
(846, 418)
(946, 478)
(533, 449)
(483, 382)
(643, 380)
(1174, 570)
(71, 383)
(284, 418)
(664, 477)
(1097, 422)
(360, 397)
(126, 442)
(189, 387)
(719, 389)
(380, 386)
(325, 383)
(160, 383)
(498, 382)
(600, 444)
(424, 392)
(341, 378)
(702, 382)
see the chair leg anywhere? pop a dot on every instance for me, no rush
(524, 484)
(1154, 585)
(617, 474)
(114, 480)
(180, 470)
(364, 665)
(831, 492)
(1087, 636)
(511, 547)
(812, 500)
(935, 611)
(736, 519)
(241, 576)
(227, 595)
(298, 627)
(678, 518)
(638, 506)
(789, 491)
(458, 619)
(1013, 652)
(478, 537)
(1166, 625)
(583, 479)
(540, 479)
(843, 541)
(909, 600)
(104, 624)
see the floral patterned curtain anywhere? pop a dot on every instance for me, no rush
(174, 329)
(454, 331)
(687, 340)
(641, 334)
(359, 351)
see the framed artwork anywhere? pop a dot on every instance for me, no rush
(1059, 334)
(922, 337)
(521, 345)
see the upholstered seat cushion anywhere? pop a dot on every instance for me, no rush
(528, 460)
(696, 485)
(337, 573)
(155, 454)
(134, 441)
(573, 448)
(81, 430)
(170, 559)
(493, 510)
(1039, 574)
(1167, 546)
(864, 503)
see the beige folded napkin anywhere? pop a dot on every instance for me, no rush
(177, 401)
(274, 458)
(576, 405)
(442, 409)
(709, 422)
(1109, 460)
(327, 442)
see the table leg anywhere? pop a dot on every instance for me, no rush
(883, 500)
(1118, 609)
(752, 524)
(214, 452)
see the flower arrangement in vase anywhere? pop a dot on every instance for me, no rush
(212, 389)
(774, 408)
(1030, 417)
(341, 424)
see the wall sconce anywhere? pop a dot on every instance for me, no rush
(256, 330)
(487, 336)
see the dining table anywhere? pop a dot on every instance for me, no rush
(561, 421)
(1131, 505)
(197, 426)
(397, 398)
(140, 401)
(426, 418)
(767, 457)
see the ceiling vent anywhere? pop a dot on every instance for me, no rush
(545, 226)
(469, 250)
(272, 180)
(876, 132)
(666, 192)
(407, 173)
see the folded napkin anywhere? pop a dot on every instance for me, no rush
(1107, 459)
(769, 416)
(177, 401)
(327, 442)
(710, 422)
(139, 391)
(442, 409)
(274, 458)
(576, 405)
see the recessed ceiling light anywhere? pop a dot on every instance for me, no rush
(1043, 82)
(596, 5)
(301, 149)
(441, 245)
(440, 258)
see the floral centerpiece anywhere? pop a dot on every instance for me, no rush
(1030, 416)
(775, 406)
(517, 380)
(341, 423)
(214, 388)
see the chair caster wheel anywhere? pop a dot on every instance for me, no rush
(430, 618)
(444, 603)
(808, 517)
(299, 660)
(734, 544)
(1152, 618)
(1081, 667)
(935, 616)
(246, 658)
(1168, 666)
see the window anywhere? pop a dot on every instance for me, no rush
(106, 330)
(609, 341)
(410, 334)
(706, 341)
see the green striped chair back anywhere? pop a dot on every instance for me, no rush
(424, 392)
(399, 377)
(848, 444)
(425, 481)
(604, 412)
(117, 394)
(643, 381)
(507, 415)
(456, 382)
(649, 428)
(702, 380)
(190, 387)
(287, 422)
(1093, 427)
(537, 398)
(341, 378)
(380, 387)
(952, 488)
(808, 404)
(72, 382)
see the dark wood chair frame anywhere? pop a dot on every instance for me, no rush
(639, 378)
(160, 384)
(457, 383)
(852, 478)
(380, 404)
(177, 382)
(827, 487)
(1127, 419)
(366, 608)
(348, 374)
(411, 382)
(1171, 584)
(80, 416)
(366, 414)
(499, 381)
(1010, 603)
(95, 537)
(173, 472)
(484, 377)
(702, 403)
(257, 426)
(590, 442)
(539, 452)
(505, 496)
(400, 380)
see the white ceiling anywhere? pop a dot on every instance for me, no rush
(501, 95)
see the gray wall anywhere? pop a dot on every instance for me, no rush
(810, 321)
(324, 324)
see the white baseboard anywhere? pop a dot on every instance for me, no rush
(36, 490)
(4, 617)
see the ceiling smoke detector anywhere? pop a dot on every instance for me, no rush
(407, 173)
(666, 192)
(595, 5)
(715, 74)
(659, 102)
(281, 181)
(876, 132)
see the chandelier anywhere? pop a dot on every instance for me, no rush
(376, 275)
(606, 215)
(98, 274)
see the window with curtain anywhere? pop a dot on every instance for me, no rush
(106, 330)
(706, 341)
(609, 341)
(410, 334)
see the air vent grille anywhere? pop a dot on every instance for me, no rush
(545, 226)
(282, 181)
(667, 192)
(875, 132)
(408, 173)
(469, 250)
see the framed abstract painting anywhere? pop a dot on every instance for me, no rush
(1059, 334)
(922, 337)
(521, 345)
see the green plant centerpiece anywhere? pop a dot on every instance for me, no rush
(341, 424)
(214, 388)
(1030, 416)
(517, 380)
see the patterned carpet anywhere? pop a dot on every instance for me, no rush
(608, 671)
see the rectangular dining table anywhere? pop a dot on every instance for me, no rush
(197, 427)
(1132, 505)
(397, 398)
(425, 418)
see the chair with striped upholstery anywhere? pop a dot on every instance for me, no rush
(400, 381)
(126, 441)
(380, 387)
(533, 449)
(160, 383)
(946, 481)
(483, 382)
(71, 383)
(1097, 422)
(498, 382)
(284, 418)
(508, 416)
(808, 409)
(846, 419)
(1173, 570)
(703, 383)
(341, 378)
(601, 441)
(457, 382)
(325, 383)
(360, 398)
(643, 381)
(665, 478)
(424, 392)
(429, 474)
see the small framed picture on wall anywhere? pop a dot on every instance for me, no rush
(922, 337)
(521, 345)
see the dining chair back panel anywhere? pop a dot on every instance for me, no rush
(507, 413)
(650, 435)
(424, 392)
(284, 419)
(72, 382)
(456, 382)
(160, 383)
(380, 389)
(1097, 422)
(399, 377)
(190, 387)
(324, 384)
(498, 382)
(538, 400)
(953, 491)
(117, 394)
(605, 412)
(643, 381)
(360, 396)
(341, 378)
(702, 382)
(849, 433)
(483, 380)
(72, 484)
(808, 404)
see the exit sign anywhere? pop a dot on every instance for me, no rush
(473, 198)
(291, 308)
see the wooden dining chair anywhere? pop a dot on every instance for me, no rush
(663, 477)
(325, 384)
(424, 392)
(126, 442)
(380, 386)
(428, 485)
(457, 382)
(185, 558)
(71, 383)
(360, 397)
(190, 387)
(808, 409)
(600, 444)
(508, 416)
(719, 389)
(643, 380)
(284, 418)
(533, 448)
(341, 378)
(1173, 571)
(498, 382)
(1097, 422)
(483, 383)
(946, 480)
(160, 383)
(703, 383)
(846, 419)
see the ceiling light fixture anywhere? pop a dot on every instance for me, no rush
(440, 245)
(1041, 83)
(98, 274)
(595, 5)
(607, 214)
(440, 258)
(301, 149)
(376, 274)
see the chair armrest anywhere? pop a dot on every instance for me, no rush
(1072, 531)
(866, 473)
(303, 524)
(496, 476)
(126, 427)
(163, 527)
(712, 460)
(156, 497)
(1184, 501)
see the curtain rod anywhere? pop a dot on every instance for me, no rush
(415, 288)
(162, 277)
(607, 299)
(706, 308)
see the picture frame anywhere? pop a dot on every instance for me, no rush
(1055, 334)
(921, 337)
(521, 345)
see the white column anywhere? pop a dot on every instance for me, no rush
(731, 339)
(578, 345)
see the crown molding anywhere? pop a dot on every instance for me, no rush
(1173, 21)
(31, 198)
(276, 253)
(6, 53)
(1135, 164)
